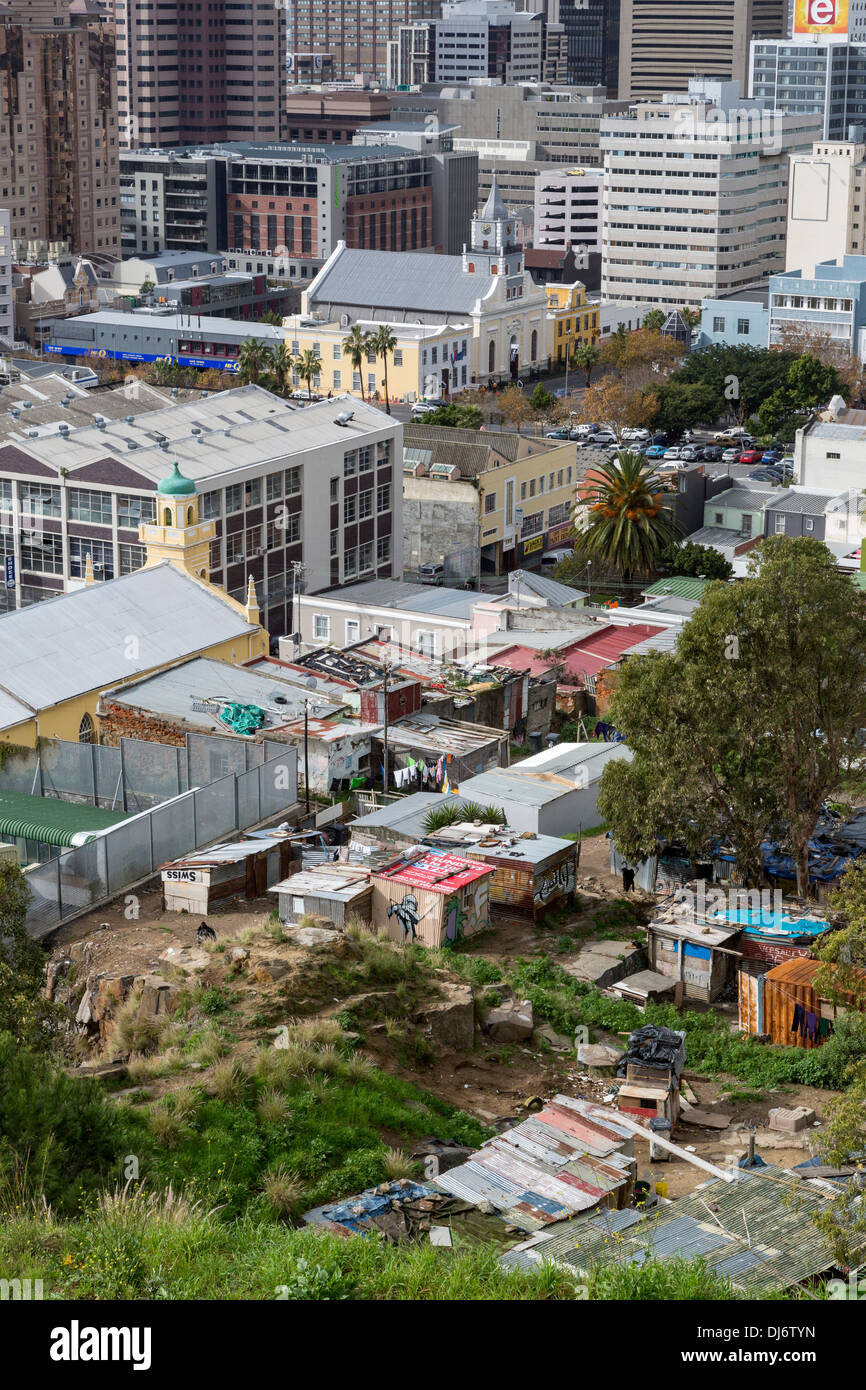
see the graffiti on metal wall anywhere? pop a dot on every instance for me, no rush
(555, 883)
(406, 912)
(467, 913)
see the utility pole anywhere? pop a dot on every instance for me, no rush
(307, 755)
(386, 673)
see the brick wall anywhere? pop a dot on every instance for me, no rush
(119, 721)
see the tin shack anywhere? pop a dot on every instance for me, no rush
(531, 873)
(242, 868)
(783, 1004)
(431, 897)
(334, 891)
(699, 956)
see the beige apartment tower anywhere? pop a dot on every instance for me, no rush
(59, 173)
(664, 43)
(826, 204)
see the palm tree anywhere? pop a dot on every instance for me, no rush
(308, 365)
(627, 522)
(252, 361)
(356, 347)
(585, 357)
(382, 342)
(282, 363)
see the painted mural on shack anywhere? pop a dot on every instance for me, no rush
(468, 912)
(555, 882)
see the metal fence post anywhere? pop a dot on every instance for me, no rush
(194, 821)
(59, 891)
(92, 747)
(123, 800)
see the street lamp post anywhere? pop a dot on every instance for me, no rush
(386, 673)
(310, 682)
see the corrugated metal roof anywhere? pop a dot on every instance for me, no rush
(557, 595)
(50, 820)
(376, 280)
(69, 645)
(411, 598)
(679, 586)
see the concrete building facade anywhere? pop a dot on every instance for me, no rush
(823, 79)
(7, 314)
(695, 193)
(663, 44)
(272, 480)
(480, 39)
(569, 208)
(198, 70)
(826, 204)
(59, 173)
(354, 36)
(826, 298)
(453, 176)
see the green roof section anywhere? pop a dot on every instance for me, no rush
(859, 577)
(176, 485)
(52, 821)
(677, 586)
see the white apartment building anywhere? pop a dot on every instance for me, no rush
(569, 208)
(7, 324)
(695, 194)
(826, 204)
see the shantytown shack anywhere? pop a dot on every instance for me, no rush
(431, 897)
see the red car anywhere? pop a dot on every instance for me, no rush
(751, 456)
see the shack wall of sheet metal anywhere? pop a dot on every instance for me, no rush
(409, 913)
(530, 889)
(785, 987)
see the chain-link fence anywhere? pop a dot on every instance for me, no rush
(81, 878)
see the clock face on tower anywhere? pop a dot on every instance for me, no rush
(486, 229)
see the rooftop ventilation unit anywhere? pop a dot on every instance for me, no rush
(33, 434)
(196, 429)
(344, 417)
(27, 405)
(130, 419)
(63, 428)
(163, 444)
(132, 443)
(99, 419)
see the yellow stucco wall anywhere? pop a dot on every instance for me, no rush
(573, 321)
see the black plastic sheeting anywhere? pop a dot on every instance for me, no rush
(654, 1047)
(834, 845)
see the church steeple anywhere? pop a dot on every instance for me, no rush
(177, 534)
(494, 249)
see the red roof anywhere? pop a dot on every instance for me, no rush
(524, 659)
(605, 647)
(439, 873)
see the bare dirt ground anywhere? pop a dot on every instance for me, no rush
(495, 1082)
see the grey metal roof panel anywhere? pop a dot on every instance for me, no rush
(412, 598)
(69, 645)
(407, 280)
(557, 595)
(809, 503)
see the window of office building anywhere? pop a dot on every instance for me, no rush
(101, 552)
(86, 505)
(133, 510)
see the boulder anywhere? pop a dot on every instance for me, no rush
(313, 937)
(238, 955)
(450, 1020)
(600, 1058)
(512, 1021)
(790, 1121)
(158, 996)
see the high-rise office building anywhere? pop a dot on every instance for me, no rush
(695, 195)
(479, 39)
(827, 204)
(665, 43)
(198, 70)
(58, 128)
(7, 316)
(354, 35)
(592, 42)
(826, 80)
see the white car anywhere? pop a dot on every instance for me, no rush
(585, 429)
(673, 454)
(636, 434)
(422, 408)
(735, 432)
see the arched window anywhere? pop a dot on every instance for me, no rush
(166, 517)
(190, 513)
(85, 730)
(533, 346)
(491, 356)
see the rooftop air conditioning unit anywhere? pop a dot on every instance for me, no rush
(33, 434)
(63, 428)
(344, 417)
(99, 419)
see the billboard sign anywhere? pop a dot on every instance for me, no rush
(819, 17)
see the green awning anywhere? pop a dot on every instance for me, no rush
(50, 820)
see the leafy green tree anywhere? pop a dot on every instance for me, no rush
(686, 405)
(308, 365)
(655, 319)
(741, 378)
(23, 1010)
(746, 728)
(147, 287)
(383, 342)
(807, 383)
(456, 416)
(696, 561)
(253, 361)
(356, 346)
(585, 358)
(272, 317)
(628, 523)
(542, 401)
(690, 317)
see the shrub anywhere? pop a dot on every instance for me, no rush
(284, 1190)
(397, 1164)
(273, 1108)
(229, 1080)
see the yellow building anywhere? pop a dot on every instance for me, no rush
(419, 349)
(573, 321)
(60, 654)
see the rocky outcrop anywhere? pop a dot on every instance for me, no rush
(510, 1021)
(450, 1020)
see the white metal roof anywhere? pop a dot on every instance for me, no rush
(77, 642)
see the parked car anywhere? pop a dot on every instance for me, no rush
(655, 451)
(767, 475)
(771, 456)
(787, 461)
(551, 558)
(737, 432)
(691, 452)
(561, 433)
(731, 455)
(422, 408)
(584, 429)
(673, 453)
(431, 574)
(712, 453)
(660, 437)
(751, 456)
(636, 434)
